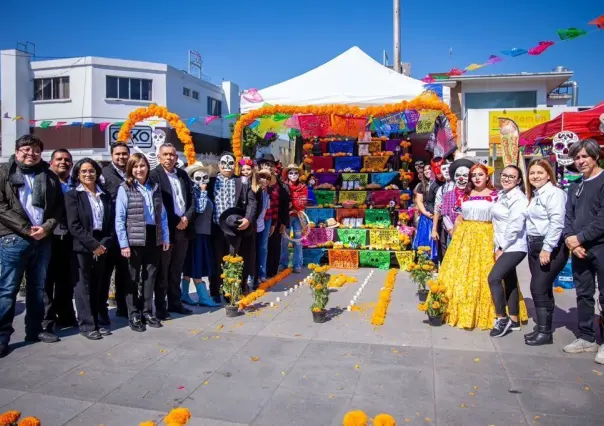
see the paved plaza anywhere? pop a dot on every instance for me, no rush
(275, 367)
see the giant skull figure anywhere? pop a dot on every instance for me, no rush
(561, 145)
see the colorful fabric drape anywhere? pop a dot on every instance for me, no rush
(347, 126)
(384, 178)
(514, 52)
(493, 59)
(358, 197)
(314, 126)
(570, 33)
(345, 259)
(382, 198)
(358, 237)
(314, 255)
(377, 217)
(341, 214)
(473, 67)
(269, 124)
(346, 147)
(363, 178)
(411, 117)
(404, 258)
(325, 196)
(375, 259)
(318, 236)
(375, 162)
(392, 144)
(427, 120)
(318, 216)
(383, 237)
(352, 164)
(369, 147)
(327, 177)
(320, 162)
(540, 48)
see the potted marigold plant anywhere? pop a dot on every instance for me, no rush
(435, 305)
(232, 272)
(422, 271)
(405, 198)
(319, 280)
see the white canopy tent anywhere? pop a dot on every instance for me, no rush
(352, 78)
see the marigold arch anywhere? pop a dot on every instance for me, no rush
(140, 114)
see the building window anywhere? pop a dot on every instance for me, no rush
(129, 88)
(490, 100)
(195, 95)
(47, 89)
(214, 107)
(186, 91)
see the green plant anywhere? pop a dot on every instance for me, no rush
(232, 271)
(252, 140)
(422, 270)
(319, 280)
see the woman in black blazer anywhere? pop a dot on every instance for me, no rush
(90, 219)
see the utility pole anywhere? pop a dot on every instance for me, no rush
(397, 36)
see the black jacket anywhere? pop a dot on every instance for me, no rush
(243, 199)
(113, 180)
(13, 218)
(80, 222)
(159, 176)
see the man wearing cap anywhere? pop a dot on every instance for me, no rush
(227, 191)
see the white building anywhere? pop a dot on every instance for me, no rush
(82, 95)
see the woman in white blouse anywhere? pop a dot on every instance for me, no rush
(547, 254)
(509, 224)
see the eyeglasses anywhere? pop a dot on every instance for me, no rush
(90, 172)
(30, 151)
(503, 176)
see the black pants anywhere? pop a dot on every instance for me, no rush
(88, 277)
(543, 277)
(274, 253)
(115, 261)
(585, 272)
(503, 282)
(58, 288)
(248, 252)
(142, 264)
(170, 271)
(443, 237)
(222, 247)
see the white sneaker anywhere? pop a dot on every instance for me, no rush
(580, 346)
(600, 355)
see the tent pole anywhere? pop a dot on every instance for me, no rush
(396, 66)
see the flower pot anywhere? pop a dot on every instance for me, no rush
(436, 321)
(319, 317)
(423, 295)
(405, 204)
(232, 311)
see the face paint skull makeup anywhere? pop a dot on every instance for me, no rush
(226, 164)
(293, 175)
(461, 177)
(444, 169)
(200, 178)
(561, 145)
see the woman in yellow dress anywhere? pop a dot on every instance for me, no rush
(470, 257)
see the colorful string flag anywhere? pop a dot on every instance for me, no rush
(5, 115)
(281, 117)
(493, 59)
(45, 124)
(192, 120)
(515, 52)
(88, 124)
(32, 122)
(571, 33)
(254, 124)
(540, 48)
(473, 67)
(76, 123)
(211, 118)
(103, 125)
(455, 72)
(428, 79)
(252, 95)
(60, 124)
(17, 118)
(231, 116)
(598, 22)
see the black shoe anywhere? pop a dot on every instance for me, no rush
(104, 331)
(3, 350)
(136, 324)
(544, 335)
(121, 313)
(180, 310)
(163, 315)
(91, 335)
(103, 318)
(67, 323)
(151, 321)
(516, 326)
(501, 327)
(44, 337)
(532, 333)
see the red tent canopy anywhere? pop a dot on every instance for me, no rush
(585, 124)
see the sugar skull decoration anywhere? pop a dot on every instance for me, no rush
(226, 165)
(199, 174)
(158, 137)
(444, 169)
(561, 145)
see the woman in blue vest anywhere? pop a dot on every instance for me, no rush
(141, 224)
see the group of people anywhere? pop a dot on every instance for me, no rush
(68, 231)
(488, 233)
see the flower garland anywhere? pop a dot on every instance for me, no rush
(262, 288)
(426, 101)
(140, 114)
(379, 315)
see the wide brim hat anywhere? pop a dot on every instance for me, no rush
(292, 166)
(196, 167)
(229, 222)
(462, 162)
(332, 223)
(271, 178)
(266, 158)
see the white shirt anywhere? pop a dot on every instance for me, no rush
(35, 214)
(509, 221)
(177, 195)
(545, 215)
(96, 205)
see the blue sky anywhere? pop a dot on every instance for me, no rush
(260, 43)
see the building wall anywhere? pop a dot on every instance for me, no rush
(506, 85)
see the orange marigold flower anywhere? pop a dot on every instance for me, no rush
(435, 305)
(34, 421)
(355, 418)
(384, 420)
(9, 417)
(178, 417)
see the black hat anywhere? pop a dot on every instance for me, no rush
(266, 158)
(230, 220)
(462, 162)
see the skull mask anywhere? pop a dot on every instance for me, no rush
(226, 165)
(293, 175)
(159, 138)
(561, 144)
(444, 169)
(200, 178)
(461, 177)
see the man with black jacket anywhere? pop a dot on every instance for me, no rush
(584, 236)
(31, 206)
(177, 196)
(114, 175)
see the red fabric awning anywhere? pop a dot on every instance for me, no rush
(586, 124)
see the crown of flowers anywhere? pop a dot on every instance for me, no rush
(246, 161)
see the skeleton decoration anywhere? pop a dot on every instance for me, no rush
(159, 138)
(226, 164)
(561, 145)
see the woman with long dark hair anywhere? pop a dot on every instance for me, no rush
(141, 224)
(424, 200)
(90, 221)
(509, 225)
(547, 254)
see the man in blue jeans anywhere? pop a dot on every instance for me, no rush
(31, 206)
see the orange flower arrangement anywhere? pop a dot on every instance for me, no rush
(379, 315)
(426, 101)
(405, 144)
(177, 417)
(262, 288)
(406, 158)
(30, 421)
(405, 197)
(9, 417)
(183, 133)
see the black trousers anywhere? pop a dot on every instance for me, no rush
(172, 263)
(222, 247)
(115, 261)
(58, 288)
(543, 277)
(585, 272)
(274, 253)
(248, 252)
(443, 240)
(143, 265)
(503, 282)
(88, 277)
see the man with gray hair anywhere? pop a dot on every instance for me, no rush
(584, 236)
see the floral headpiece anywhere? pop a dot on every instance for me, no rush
(246, 161)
